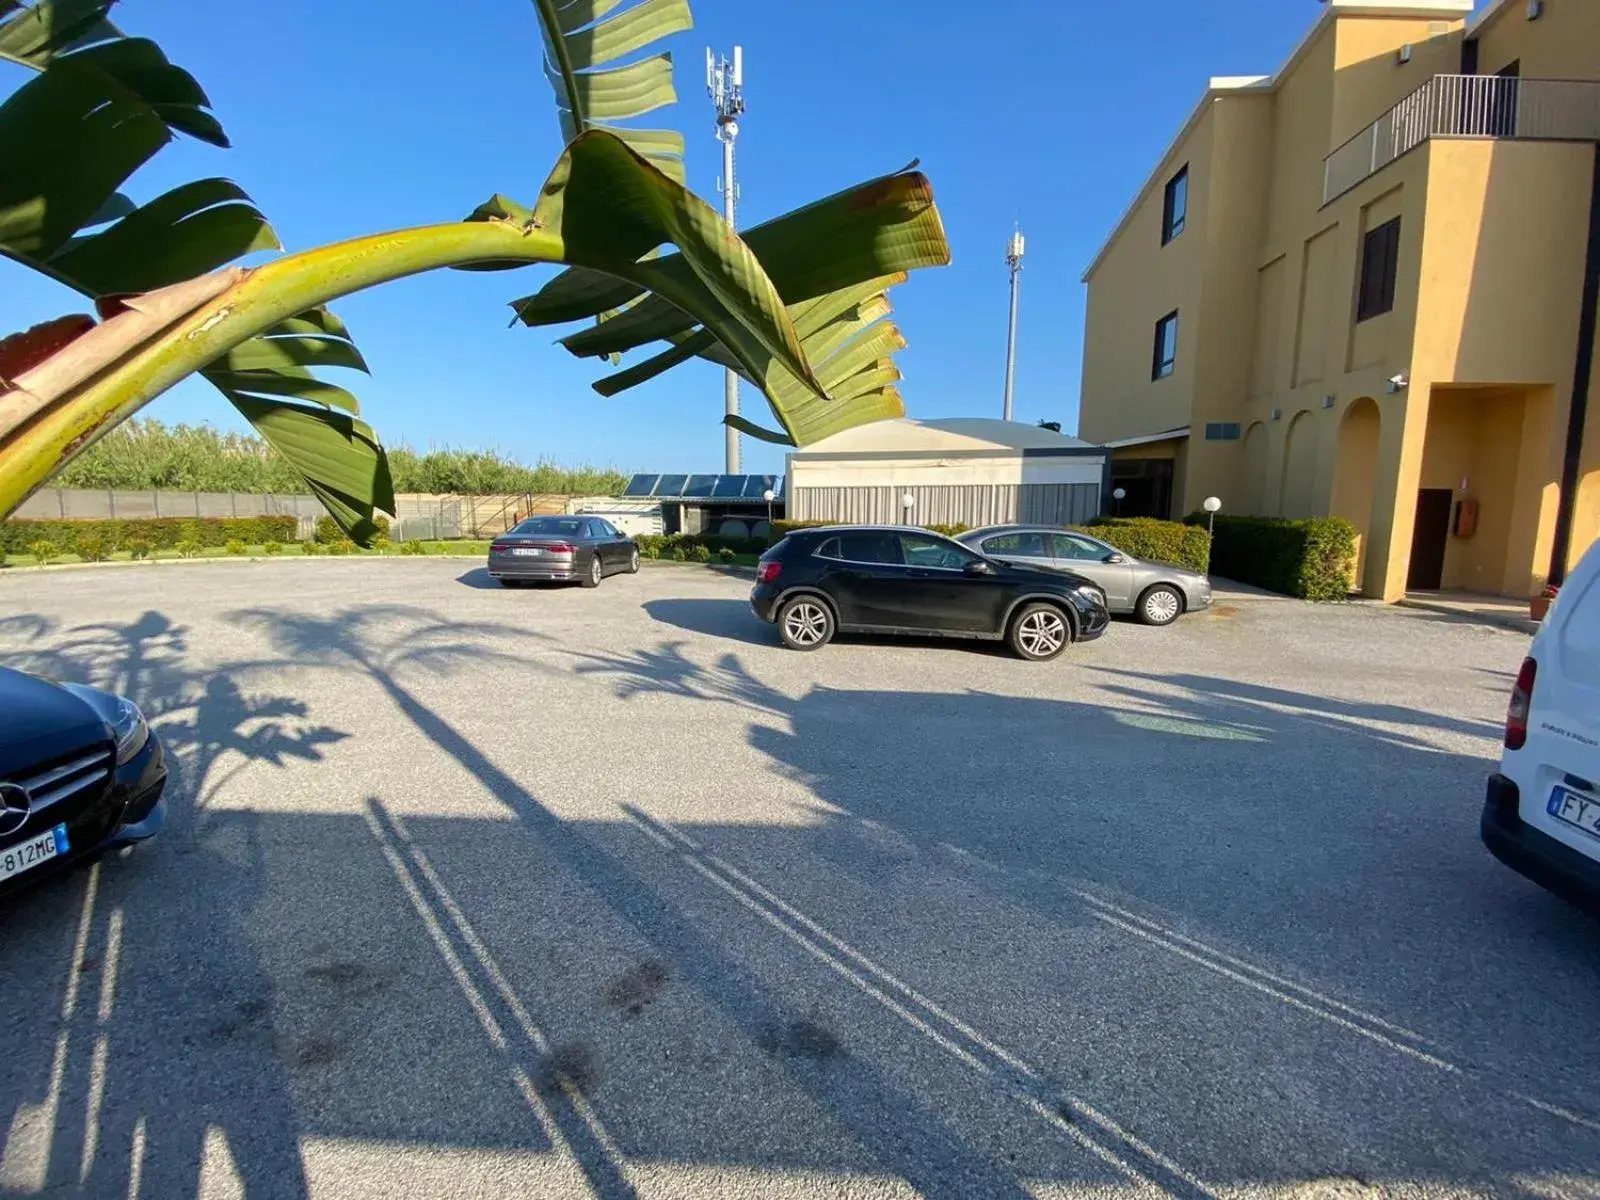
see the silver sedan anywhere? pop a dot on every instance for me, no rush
(1157, 593)
(585, 549)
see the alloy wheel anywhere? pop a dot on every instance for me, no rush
(1041, 633)
(805, 623)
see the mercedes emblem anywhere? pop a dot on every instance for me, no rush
(15, 805)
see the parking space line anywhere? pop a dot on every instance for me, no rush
(602, 1168)
(1020, 1081)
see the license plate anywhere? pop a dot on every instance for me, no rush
(528, 552)
(19, 858)
(1582, 811)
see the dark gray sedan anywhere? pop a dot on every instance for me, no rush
(586, 549)
(1156, 593)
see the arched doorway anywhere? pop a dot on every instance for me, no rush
(1253, 492)
(1354, 470)
(1300, 468)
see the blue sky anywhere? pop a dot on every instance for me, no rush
(355, 116)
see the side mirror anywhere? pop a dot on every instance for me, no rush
(978, 567)
(1114, 557)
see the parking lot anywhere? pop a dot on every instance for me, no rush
(550, 893)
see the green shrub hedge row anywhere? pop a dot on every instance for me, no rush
(1313, 559)
(159, 533)
(1159, 541)
(687, 547)
(329, 533)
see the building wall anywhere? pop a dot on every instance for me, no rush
(1139, 282)
(1488, 290)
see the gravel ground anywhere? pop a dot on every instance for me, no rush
(471, 892)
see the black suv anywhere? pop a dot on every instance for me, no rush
(883, 579)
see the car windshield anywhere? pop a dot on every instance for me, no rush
(566, 526)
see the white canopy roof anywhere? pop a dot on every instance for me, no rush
(953, 434)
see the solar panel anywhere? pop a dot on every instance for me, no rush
(755, 486)
(729, 487)
(671, 485)
(700, 485)
(641, 485)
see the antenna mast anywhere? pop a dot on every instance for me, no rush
(1014, 263)
(725, 86)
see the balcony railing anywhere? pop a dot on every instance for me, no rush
(1467, 106)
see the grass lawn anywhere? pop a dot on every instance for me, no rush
(461, 548)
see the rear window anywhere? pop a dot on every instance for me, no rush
(1578, 614)
(568, 526)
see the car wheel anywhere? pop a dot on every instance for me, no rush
(1160, 605)
(633, 562)
(1040, 632)
(805, 623)
(592, 579)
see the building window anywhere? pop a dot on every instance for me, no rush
(1166, 349)
(1380, 256)
(1222, 431)
(1175, 209)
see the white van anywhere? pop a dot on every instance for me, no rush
(1542, 813)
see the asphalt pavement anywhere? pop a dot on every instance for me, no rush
(473, 892)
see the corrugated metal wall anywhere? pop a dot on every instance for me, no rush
(973, 505)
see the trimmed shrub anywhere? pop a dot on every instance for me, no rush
(160, 533)
(42, 550)
(726, 556)
(782, 529)
(650, 544)
(313, 548)
(235, 547)
(328, 531)
(1159, 541)
(381, 543)
(188, 547)
(272, 547)
(412, 546)
(93, 545)
(677, 553)
(139, 548)
(343, 546)
(1313, 559)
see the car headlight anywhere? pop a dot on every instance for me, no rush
(1095, 595)
(127, 723)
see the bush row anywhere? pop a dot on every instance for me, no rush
(1159, 541)
(1313, 559)
(153, 533)
(328, 531)
(692, 547)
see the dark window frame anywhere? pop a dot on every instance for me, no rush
(1175, 218)
(1380, 264)
(1162, 367)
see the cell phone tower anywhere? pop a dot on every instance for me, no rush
(725, 86)
(1014, 263)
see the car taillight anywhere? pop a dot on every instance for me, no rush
(499, 547)
(561, 548)
(1521, 703)
(766, 572)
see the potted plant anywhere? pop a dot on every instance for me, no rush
(1540, 604)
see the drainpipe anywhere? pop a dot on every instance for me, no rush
(1582, 374)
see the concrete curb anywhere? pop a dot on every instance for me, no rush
(1500, 620)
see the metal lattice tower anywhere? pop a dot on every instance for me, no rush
(725, 86)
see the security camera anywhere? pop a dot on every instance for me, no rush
(1397, 383)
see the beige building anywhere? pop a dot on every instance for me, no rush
(1366, 286)
(962, 471)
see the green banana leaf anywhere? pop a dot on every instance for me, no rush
(585, 44)
(113, 102)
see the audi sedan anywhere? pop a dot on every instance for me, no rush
(80, 771)
(885, 579)
(1156, 593)
(585, 549)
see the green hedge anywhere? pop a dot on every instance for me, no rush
(328, 532)
(689, 545)
(1159, 541)
(1313, 559)
(159, 533)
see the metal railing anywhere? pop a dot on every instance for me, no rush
(1467, 106)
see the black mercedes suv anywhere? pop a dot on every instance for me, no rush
(80, 771)
(885, 579)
